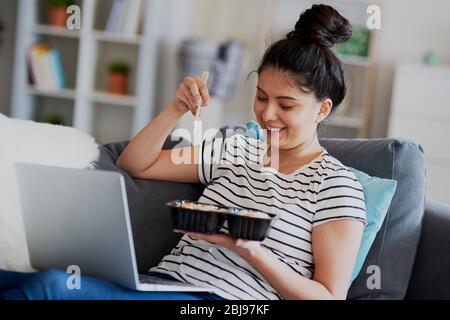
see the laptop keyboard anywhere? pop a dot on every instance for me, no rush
(156, 280)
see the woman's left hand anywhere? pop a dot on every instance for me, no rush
(242, 247)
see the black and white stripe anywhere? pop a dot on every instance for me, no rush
(322, 191)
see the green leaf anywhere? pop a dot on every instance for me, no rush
(54, 118)
(358, 44)
(60, 3)
(119, 66)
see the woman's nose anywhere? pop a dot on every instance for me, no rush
(270, 113)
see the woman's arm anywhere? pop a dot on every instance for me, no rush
(144, 149)
(143, 157)
(335, 246)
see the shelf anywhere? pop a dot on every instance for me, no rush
(117, 37)
(108, 98)
(61, 93)
(82, 59)
(348, 122)
(48, 30)
(99, 97)
(55, 31)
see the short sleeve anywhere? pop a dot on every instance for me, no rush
(340, 196)
(210, 154)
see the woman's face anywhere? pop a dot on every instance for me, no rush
(287, 114)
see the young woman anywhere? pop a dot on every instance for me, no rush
(311, 249)
(310, 252)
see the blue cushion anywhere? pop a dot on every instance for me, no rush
(378, 194)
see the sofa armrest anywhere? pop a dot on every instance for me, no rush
(431, 273)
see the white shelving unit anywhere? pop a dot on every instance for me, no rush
(420, 112)
(62, 93)
(83, 53)
(55, 31)
(353, 120)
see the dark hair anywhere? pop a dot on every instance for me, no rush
(306, 56)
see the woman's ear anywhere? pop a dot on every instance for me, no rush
(325, 109)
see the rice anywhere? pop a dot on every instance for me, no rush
(253, 214)
(201, 207)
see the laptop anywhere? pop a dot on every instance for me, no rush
(80, 217)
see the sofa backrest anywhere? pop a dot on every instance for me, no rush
(393, 250)
(395, 245)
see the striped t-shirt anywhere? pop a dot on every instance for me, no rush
(318, 192)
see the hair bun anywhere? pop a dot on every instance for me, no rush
(323, 25)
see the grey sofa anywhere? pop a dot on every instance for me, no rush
(412, 249)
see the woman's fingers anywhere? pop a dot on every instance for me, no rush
(199, 91)
(193, 92)
(194, 89)
(189, 100)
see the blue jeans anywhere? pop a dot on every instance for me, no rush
(51, 285)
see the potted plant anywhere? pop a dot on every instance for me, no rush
(54, 119)
(57, 12)
(118, 77)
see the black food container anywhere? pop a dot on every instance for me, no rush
(197, 220)
(249, 226)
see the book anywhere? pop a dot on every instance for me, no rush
(35, 75)
(112, 19)
(132, 18)
(57, 69)
(122, 16)
(51, 72)
(42, 66)
(45, 68)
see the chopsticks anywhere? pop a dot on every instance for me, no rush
(197, 122)
(205, 76)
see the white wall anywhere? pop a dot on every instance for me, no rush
(409, 29)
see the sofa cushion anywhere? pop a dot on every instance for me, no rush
(39, 143)
(431, 277)
(378, 195)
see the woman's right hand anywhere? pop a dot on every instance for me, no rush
(191, 93)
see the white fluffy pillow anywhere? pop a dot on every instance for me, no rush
(27, 141)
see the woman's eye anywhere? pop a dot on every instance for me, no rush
(287, 107)
(261, 98)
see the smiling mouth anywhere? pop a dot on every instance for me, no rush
(275, 130)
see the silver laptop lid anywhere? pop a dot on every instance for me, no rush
(78, 217)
